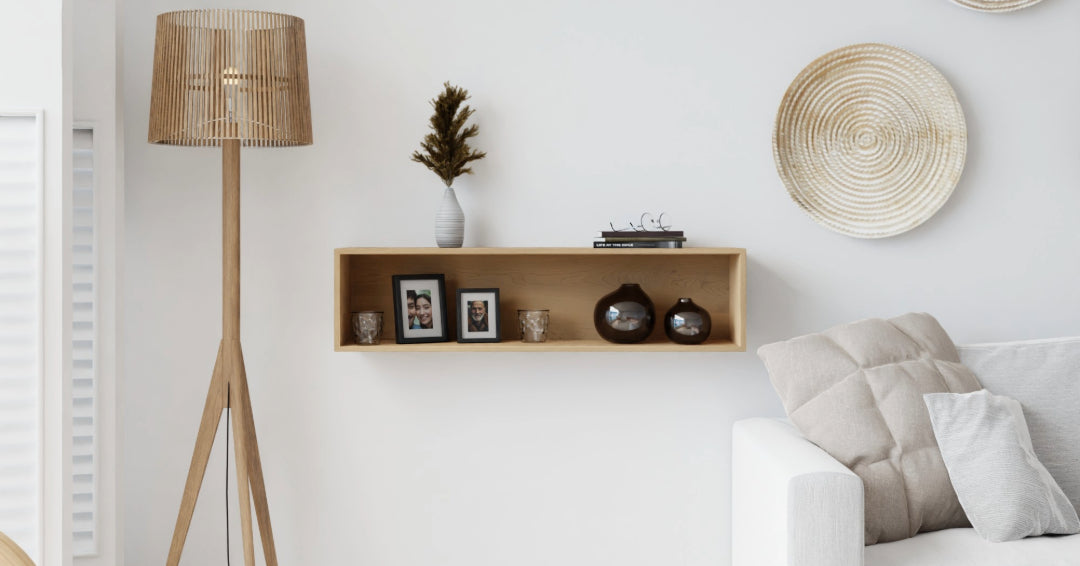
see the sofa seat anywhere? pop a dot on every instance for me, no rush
(963, 547)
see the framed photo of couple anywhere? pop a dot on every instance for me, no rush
(420, 308)
(478, 315)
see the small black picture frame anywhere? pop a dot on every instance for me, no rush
(470, 326)
(419, 323)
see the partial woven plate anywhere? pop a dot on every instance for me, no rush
(996, 5)
(870, 140)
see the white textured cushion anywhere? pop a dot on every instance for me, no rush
(963, 547)
(1006, 493)
(856, 391)
(1044, 376)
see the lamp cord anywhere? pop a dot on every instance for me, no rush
(228, 401)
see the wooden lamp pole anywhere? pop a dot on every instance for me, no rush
(227, 77)
(229, 390)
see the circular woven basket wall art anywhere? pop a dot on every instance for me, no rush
(996, 5)
(870, 140)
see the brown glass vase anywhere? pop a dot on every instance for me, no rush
(687, 323)
(625, 316)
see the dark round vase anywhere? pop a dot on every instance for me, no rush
(625, 316)
(687, 323)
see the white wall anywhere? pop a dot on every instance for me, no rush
(588, 111)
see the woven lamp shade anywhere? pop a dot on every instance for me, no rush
(230, 75)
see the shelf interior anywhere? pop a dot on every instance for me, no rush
(566, 281)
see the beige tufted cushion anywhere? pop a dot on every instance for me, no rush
(856, 391)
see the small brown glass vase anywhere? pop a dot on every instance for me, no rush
(624, 316)
(687, 323)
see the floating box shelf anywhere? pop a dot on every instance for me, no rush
(567, 281)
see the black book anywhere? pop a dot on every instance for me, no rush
(637, 234)
(647, 239)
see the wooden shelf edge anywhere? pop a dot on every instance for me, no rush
(554, 346)
(539, 251)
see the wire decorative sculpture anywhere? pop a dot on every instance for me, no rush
(646, 223)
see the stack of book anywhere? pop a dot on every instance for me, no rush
(636, 239)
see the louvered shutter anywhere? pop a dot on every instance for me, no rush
(21, 329)
(83, 342)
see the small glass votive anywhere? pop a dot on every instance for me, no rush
(534, 325)
(367, 327)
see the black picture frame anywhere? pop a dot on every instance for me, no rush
(434, 286)
(466, 331)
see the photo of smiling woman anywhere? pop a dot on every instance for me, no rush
(423, 308)
(420, 308)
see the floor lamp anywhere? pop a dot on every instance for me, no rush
(229, 78)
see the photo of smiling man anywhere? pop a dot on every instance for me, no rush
(478, 315)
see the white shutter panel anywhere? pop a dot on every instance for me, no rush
(83, 339)
(20, 329)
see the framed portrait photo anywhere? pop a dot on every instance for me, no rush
(420, 308)
(478, 315)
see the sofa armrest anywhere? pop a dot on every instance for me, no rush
(792, 504)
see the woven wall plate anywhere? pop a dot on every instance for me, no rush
(870, 140)
(996, 5)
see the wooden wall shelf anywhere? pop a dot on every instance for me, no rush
(567, 281)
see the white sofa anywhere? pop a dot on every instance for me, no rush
(794, 505)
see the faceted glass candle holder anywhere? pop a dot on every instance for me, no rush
(534, 325)
(367, 327)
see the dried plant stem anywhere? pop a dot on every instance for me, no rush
(446, 149)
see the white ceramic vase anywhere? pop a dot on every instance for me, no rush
(449, 221)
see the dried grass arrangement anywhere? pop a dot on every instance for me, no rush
(446, 149)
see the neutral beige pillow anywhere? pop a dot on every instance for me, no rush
(856, 391)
